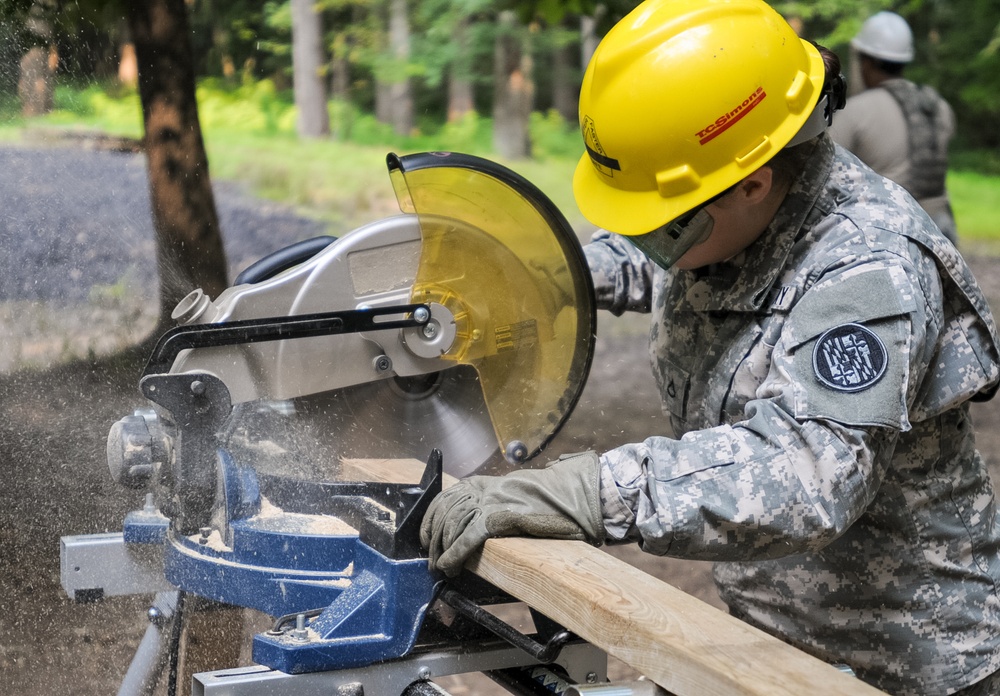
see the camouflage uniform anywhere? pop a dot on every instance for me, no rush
(817, 387)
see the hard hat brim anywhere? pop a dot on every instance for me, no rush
(622, 212)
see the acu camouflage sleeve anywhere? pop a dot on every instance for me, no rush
(623, 276)
(807, 458)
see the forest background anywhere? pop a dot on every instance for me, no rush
(302, 99)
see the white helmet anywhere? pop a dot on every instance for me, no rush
(887, 36)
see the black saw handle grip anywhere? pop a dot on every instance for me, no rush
(283, 259)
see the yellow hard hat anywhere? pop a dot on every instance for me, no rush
(681, 100)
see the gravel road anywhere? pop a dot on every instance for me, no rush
(78, 266)
(73, 219)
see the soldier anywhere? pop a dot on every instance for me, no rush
(816, 342)
(898, 128)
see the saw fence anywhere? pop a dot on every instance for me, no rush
(682, 644)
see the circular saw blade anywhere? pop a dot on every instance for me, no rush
(395, 418)
(407, 418)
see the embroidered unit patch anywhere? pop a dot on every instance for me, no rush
(849, 358)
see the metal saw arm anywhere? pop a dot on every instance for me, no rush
(232, 333)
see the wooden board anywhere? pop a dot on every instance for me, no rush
(683, 644)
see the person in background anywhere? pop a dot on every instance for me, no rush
(816, 343)
(898, 128)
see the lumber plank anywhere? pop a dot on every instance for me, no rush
(688, 647)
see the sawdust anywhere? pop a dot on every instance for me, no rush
(271, 516)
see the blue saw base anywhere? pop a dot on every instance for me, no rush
(345, 555)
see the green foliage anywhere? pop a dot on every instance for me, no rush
(471, 133)
(254, 107)
(10, 108)
(551, 136)
(975, 199)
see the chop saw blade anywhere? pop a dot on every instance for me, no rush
(399, 417)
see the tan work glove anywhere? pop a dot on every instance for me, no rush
(560, 502)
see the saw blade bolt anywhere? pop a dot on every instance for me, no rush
(197, 387)
(205, 533)
(424, 673)
(516, 451)
(430, 329)
(382, 364)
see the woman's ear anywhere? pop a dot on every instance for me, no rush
(755, 187)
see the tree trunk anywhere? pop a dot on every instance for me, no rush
(340, 91)
(460, 94)
(307, 61)
(36, 84)
(588, 36)
(514, 90)
(340, 71)
(400, 94)
(565, 80)
(128, 70)
(188, 241)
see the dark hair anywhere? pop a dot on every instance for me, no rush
(889, 67)
(834, 84)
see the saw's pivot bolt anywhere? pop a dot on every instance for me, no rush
(197, 387)
(382, 364)
(424, 673)
(421, 314)
(155, 616)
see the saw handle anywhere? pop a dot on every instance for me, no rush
(283, 259)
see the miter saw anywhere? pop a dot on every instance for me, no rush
(458, 333)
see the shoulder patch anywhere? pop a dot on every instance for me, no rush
(849, 358)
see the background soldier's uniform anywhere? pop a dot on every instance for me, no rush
(901, 130)
(818, 384)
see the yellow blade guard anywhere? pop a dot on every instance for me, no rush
(507, 265)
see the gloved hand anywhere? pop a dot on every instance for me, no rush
(560, 502)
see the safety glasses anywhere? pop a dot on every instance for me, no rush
(666, 244)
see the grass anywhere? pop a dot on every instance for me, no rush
(347, 184)
(975, 199)
(249, 132)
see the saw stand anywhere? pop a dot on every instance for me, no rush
(458, 636)
(475, 641)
